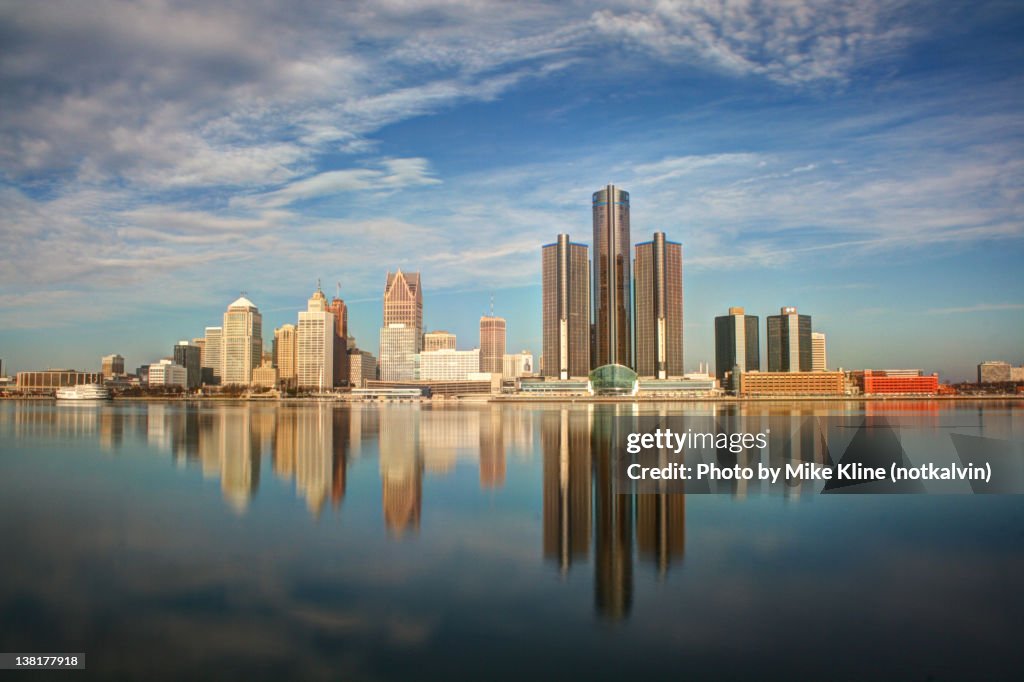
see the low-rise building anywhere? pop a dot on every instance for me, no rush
(754, 384)
(895, 382)
(46, 381)
(166, 373)
(994, 371)
(265, 376)
(447, 364)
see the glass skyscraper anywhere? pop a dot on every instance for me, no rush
(613, 321)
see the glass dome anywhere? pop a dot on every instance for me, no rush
(613, 380)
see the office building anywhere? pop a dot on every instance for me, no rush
(492, 344)
(113, 366)
(265, 376)
(994, 371)
(792, 383)
(243, 342)
(284, 353)
(737, 344)
(819, 361)
(340, 312)
(188, 356)
(895, 382)
(565, 270)
(789, 341)
(515, 366)
(448, 365)
(362, 367)
(168, 374)
(314, 345)
(658, 289)
(213, 353)
(613, 322)
(398, 348)
(403, 304)
(439, 340)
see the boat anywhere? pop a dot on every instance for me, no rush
(84, 392)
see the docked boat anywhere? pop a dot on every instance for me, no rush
(84, 392)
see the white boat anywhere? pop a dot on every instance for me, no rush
(84, 392)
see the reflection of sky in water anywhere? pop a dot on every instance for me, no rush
(306, 541)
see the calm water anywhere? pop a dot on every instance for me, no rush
(393, 542)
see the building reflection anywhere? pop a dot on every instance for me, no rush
(401, 470)
(492, 449)
(580, 501)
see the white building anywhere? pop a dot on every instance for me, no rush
(314, 347)
(517, 365)
(213, 351)
(448, 365)
(243, 342)
(819, 363)
(398, 345)
(166, 373)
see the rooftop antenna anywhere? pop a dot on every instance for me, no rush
(337, 290)
(492, 305)
(318, 284)
(243, 294)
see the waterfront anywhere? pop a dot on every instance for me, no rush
(213, 540)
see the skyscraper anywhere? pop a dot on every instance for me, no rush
(113, 365)
(314, 345)
(398, 352)
(737, 344)
(789, 341)
(819, 361)
(613, 321)
(243, 342)
(492, 343)
(438, 340)
(213, 353)
(566, 316)
(188, 356)
(340, 312)
(659, 308)
(403, 303)
(284, 353)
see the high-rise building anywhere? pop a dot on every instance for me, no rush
(448, 365)
(284, 353)
(362, 367)
(566, 316)
(398, 348)
(492, 344)
(789, 341)
(340, 312)
(613, 322)
(213, 353)
(314, 345)
(186, 355)
(403, 303)
(243, 342)
(439, 340)
(737, 343)
(819, 361)
(113, 366)
(659, 308)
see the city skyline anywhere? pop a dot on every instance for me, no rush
(824, 157)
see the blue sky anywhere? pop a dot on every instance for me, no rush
(863, 161)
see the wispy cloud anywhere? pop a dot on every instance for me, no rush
(976, 308)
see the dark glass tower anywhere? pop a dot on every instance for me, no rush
(737, 344)
(613, 321)
(789, 342)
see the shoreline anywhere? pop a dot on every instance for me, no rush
(478, 399)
